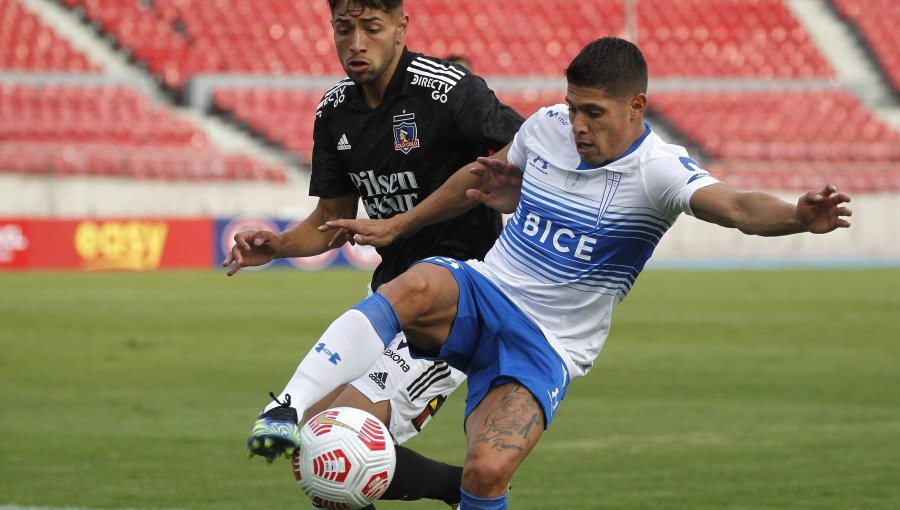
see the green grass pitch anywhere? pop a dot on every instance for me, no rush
(716, 390)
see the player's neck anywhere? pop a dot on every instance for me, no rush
(373, 92)
(636, 131)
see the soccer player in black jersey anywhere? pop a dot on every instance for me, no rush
(389, 134)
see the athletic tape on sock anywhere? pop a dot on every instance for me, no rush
(470, 502)
(381, 314)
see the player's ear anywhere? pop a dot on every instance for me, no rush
(638, 104)
(402, 27)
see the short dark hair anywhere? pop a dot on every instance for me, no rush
(615, 65)
(358, 6)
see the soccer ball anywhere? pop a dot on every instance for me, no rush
(346, 458)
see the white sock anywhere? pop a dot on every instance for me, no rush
(344, 352)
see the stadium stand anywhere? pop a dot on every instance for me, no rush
(528, 101)
(98, 129)
(538, 37)
(776, 135)
(726, 38)
(108, 130)
(140, 163)
(876, 21)
(90, 114)
(176, 39)
(826, 125)
(855, 176)
(787, 139)
(282, 116)
(285, 116)
(28, 45)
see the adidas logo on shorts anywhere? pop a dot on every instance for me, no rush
(379, 377)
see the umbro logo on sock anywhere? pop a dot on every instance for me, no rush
(379, 377)
(343, 144)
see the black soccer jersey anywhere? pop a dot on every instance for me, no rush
(434, 118)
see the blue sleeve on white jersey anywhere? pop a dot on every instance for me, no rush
(671, 179)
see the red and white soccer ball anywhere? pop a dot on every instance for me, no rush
(346, 458)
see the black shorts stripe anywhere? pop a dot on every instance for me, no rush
(439, 371)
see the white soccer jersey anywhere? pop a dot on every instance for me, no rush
(580, 236)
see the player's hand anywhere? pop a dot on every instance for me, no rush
(375, 233)
(824, 211)
(501, 185)
(341, 237)
(251, 248)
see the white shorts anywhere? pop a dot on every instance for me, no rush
(416, 387)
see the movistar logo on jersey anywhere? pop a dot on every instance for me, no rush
(406, 133)
(343, 144)
(555, 115)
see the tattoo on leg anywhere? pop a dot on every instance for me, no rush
(508, 428)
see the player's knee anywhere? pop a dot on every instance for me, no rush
(486, 476)
(408, 290)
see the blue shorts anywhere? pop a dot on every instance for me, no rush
(494, 342)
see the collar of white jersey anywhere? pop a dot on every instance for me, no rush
(634, 146)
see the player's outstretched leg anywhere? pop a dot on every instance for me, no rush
(275, 432)
(347, 348)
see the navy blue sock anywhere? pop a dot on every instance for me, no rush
(470, 502)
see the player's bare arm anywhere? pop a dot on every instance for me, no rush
(255, 248)
(449, 201)
(763, 214)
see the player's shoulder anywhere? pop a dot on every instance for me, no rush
(548, 133)
(334, 97)
(439, 78)
(556, 115)
(549, 121)
(658, 153)
(666, 159)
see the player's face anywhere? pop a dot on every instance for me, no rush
(604, 126)
(368, 42)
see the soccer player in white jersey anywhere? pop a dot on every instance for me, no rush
(593, 189)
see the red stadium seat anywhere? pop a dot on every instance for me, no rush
(876, 20)
(283, 116)
(767, 139)
(827, 125)
(177, 39)
(726, 38)
(787, 139)
(102, 130)
(27, 44)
